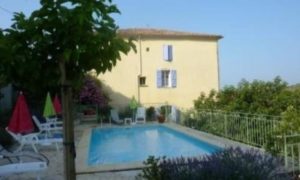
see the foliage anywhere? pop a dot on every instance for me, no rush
(208, 102)
(271, 98)
(152, 171)
(258, 97)
(57, 45)
(291, 121)
(165, 109)
(92, 92)
(294, 87)
(150, 113)
(81, 34)
(228, 164)
(3, 75)
(190, 120)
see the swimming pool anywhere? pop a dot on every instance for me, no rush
(136, 143)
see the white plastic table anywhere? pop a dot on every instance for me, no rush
(127, 120)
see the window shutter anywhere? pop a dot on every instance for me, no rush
(159, 78)
(173, 78)
(165, 52)
(168, 52)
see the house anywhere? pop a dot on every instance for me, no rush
(168, 67)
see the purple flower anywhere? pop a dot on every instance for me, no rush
(92, 93)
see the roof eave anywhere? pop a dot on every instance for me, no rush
(132, 35)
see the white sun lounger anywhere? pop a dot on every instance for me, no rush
(114, 116)
(34, 139)
(20, 162)
(14, 161)
(48, 126)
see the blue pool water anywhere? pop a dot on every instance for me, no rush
(135, 144)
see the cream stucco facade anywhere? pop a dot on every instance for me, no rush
(194, 58)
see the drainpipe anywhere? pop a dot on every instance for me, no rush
(140, 73)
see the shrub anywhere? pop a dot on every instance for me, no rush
(257, 97)
(150, 113)
(92, 92)
(228, 164)
(290, 121)
(165, 109)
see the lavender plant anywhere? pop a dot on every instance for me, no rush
(228, 164)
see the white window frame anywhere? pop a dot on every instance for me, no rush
(166, 78)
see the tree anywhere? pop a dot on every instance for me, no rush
(291, 121)
(3, 76)
(208, 102)
(57, 45)
(257, 97)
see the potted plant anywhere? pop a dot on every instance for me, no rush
(162, 114)
(150, 113)
(164, 111)
(161, 118)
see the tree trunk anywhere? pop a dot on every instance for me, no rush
(68, 126)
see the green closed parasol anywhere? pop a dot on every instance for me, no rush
(48, 109)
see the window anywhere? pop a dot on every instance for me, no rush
(166, 78)
(168, 52)
(142, 80)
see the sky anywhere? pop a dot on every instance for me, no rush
(261, 37)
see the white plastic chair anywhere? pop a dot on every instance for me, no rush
(140, 116)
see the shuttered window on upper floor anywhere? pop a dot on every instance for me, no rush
(168, 52)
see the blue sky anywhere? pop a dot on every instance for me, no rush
(261, 37)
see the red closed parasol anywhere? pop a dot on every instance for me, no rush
(21, 122)
(57, 105)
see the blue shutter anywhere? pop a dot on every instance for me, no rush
(166, 52)
(159, 78)
(170, 53)
(173, 78)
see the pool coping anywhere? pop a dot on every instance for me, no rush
(83, 146)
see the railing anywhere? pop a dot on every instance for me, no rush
(247, 128)
(292, 152)
(257, 130)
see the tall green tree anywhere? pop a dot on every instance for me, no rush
(3, 76)
(258, 97)
(56, 45)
